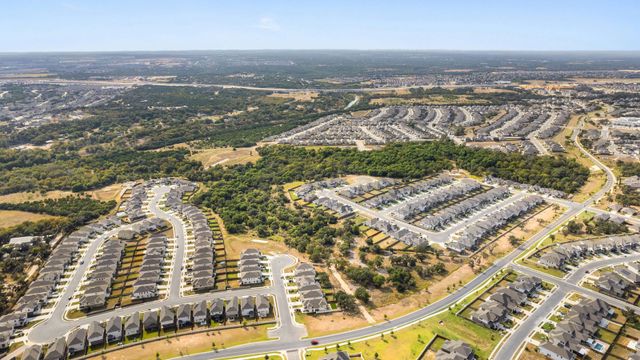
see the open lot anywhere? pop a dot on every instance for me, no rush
(10, 218)
(225, 156)
(189, 344)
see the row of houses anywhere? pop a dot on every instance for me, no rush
(166, 318)
(361, 189)
(405, 235)
(151, 269)
(620, 281)
(201, 252)
(464, 208)
(434, 198)
(144, 227)
(97, 286)
(132, 208)
(558, 256)
(470, 236)
(399, 194)
(311, 294)
(527, 187)
(343, 210)
(250, 267)
(575, 335)
(307, 191)
(50, 276)
(506, 301)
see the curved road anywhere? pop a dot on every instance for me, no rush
(289, 340)
(293, 344)
(57, 325)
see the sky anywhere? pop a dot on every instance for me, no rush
(137, 25)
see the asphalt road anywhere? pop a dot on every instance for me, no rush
(56, 325)
(179, 235)
(283, 344)
(563, 288)
(289, 334)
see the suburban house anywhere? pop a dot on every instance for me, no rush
(217, 310)
(167, 317)
(247, 307)
(144, 291)
(315, 306)
(455, 350)
(57, 350)
(576, 333)
(232, 310)
(263, 307)
(33, 352)
(150, 320)
(95, 333)
(114, 329)
(77, 341)
(251, 277)
(200, 312)
(183, 315)
(132, 325)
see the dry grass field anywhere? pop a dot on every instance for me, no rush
(104, 194)
(304, 96)
(189, 344)
(225, 156)
(10, 218)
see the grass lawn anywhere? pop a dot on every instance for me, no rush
(409, 342)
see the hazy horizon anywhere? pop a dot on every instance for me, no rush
(194, 25)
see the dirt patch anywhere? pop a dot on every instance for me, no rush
(10, 218)
(226, 156)
(189, 344)
(105, 194)
(305, 96)
(323, 324)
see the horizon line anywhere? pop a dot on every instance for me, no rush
(12, 52)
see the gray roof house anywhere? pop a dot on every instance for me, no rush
(263, 307)
(217, 309)
(200, 312)
(183, 314)
(232, 309)
(150, 320)
(315, 305)
(455, 350)
(33, 352)
(114, 329)
(77, 341)
(132, 325)
(247, 306)
(57, 350)
(167, 317)
(95, 333)
(251, 277)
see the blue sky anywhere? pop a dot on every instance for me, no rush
(112, 25)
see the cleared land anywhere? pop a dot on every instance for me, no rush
(13, 217)
(225, 156)
(105, 194)
(189, 344)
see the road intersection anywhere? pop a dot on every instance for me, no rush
(289, 334)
